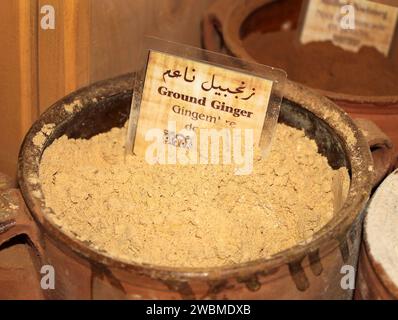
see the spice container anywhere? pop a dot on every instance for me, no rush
(264, 31)
(307, 270)
(378, 263)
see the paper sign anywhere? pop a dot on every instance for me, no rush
(196, 94)
(350, 24)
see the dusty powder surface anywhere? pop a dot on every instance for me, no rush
(42, 135)
(382, 226)
(187, 216)
(324, 66)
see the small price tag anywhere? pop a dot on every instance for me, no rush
(183, 90)
(349, 24)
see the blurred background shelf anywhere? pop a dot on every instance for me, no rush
(92, 40)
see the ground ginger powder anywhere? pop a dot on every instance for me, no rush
(187, 216)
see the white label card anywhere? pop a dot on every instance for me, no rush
(196, 95)
(350, 24)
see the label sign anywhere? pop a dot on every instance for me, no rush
(195, 95)
(350, 24)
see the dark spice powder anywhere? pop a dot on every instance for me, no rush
(324, 66)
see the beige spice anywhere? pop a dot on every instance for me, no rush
(193, 215)
(42, 135)
(70, 108)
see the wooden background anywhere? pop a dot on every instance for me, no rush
(92, 40)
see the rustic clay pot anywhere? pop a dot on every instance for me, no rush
(373, 281)
(227, 22)
(306, 271)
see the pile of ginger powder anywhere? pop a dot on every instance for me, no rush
(188, 215)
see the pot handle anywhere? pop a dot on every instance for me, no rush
(14, 216)
(381, 147)
(212, 25)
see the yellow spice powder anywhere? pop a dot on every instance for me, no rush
(193, 215)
